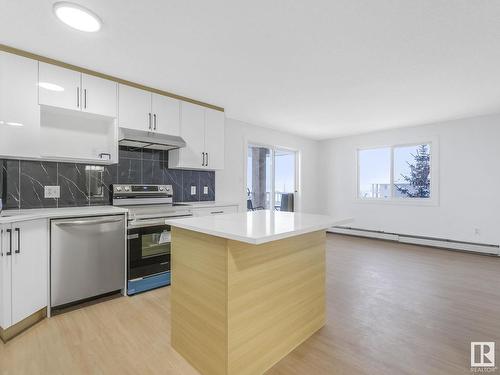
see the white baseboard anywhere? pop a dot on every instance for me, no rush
(419, 240)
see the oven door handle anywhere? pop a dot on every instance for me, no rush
(155, 221)
(146, 223)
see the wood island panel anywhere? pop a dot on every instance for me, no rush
(239, 308)
(199, 299)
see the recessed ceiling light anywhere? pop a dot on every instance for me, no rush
(50, 86)
(77, 17)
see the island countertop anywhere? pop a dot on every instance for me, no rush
(257, 227)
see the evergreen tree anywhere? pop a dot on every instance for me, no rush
(418, 179)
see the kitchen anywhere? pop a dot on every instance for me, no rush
(178, 198)
(97, 225)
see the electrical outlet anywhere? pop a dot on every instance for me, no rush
(205, 190)
(193, 190)
(477, 231)
(52, 191)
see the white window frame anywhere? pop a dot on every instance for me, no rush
(433, 200)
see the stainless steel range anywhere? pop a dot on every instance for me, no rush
(148, 237)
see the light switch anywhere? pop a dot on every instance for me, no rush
(193, 190)
(51, 191)
(205, 190)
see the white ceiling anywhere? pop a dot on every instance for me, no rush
(321, 68)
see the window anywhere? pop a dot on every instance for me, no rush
(395, 173)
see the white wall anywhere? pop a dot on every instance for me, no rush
(469, 182)
(230, 182)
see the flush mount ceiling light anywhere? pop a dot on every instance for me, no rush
(10, 123)
(50, 86)
(77, 17)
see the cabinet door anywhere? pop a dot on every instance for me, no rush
(59, 87)
(19, 110)
(166, 115)
(134, 108)
(5, 278)
(193, 132)
(29, 268)
(99, 96)
(214, 138)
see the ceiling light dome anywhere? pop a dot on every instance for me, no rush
(77, 16)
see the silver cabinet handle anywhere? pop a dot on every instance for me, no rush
(149, 119)
(202, 159)
(206, 164)
(78, 97)
(18, 251)
(85, 98)
(1, 242)
(216, 212)
(154, 117)
(89, 222)
(10, 242)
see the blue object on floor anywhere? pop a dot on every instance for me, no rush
(148, 283)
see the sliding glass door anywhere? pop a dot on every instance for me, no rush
(271, 178)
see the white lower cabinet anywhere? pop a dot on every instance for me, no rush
(5, 279)
(23, 288)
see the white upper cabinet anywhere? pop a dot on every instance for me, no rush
(203, 130)
(19, 110)
(64, 88)
(166, 114)
(99, 96)
(59, 87)
(143, 110)
(134, 108)
(192, 131)
(214, 138)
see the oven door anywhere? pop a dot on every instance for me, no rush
(148, 250)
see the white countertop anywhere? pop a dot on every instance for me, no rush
(9, 216)
(257, 227)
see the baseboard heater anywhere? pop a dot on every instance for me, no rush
(419, 240)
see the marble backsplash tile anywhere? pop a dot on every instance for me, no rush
(22, 182)
(34, 176)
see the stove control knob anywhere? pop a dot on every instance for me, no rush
(127, 188)
(161, 188)
(118, 188)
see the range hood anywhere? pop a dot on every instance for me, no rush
(145, 139)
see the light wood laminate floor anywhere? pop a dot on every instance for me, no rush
(391, 309)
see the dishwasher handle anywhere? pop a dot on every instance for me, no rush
(89, 222)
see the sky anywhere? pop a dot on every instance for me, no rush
(375, 165)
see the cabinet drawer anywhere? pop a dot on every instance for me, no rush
(205, 211)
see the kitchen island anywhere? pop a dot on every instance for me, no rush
(247, 288)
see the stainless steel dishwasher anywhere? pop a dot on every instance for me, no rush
(87, 258)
